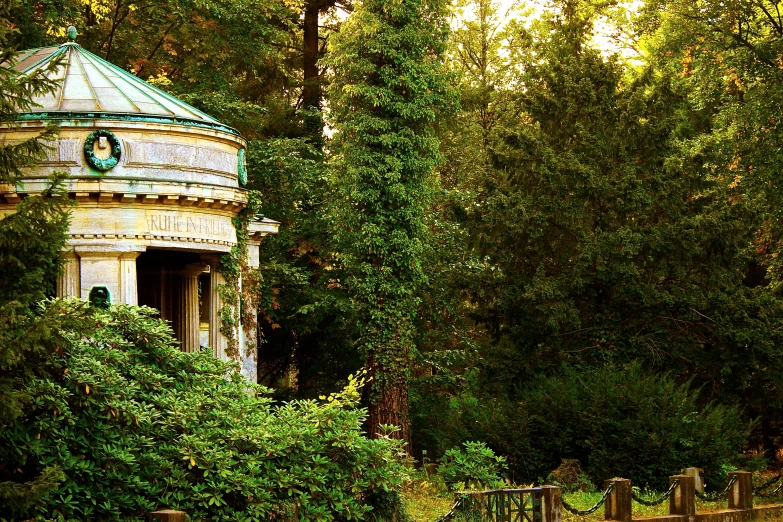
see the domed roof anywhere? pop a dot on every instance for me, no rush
(91, 87)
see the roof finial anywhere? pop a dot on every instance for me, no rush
(71, 33)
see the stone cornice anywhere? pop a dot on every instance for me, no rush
(129, 192)
(35, 125)
(258, 229)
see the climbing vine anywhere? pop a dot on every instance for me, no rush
(388, 91)
(236, 305)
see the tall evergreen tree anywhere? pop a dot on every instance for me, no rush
(30, 244)
(725, 59)
(388, 89)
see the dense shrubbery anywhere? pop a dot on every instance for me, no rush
(136, 425)
(476, 466)
(626, 422)
(616, 421)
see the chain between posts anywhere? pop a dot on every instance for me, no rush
(582, 513)
(453, 510)
(658, 500)
(723, 494)
(769, 493)
(767, 484)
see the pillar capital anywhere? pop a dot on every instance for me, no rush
(111, 265)
(194, 269)
(108, 250)
(130, 254)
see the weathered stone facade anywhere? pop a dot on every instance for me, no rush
(156, 185)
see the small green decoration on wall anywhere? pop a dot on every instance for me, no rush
(100, 297)
(104, 138)
(242, 167)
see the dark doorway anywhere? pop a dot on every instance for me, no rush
(159, 276)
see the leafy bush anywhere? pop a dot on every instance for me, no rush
(617, 421)
(476, 466)
(136, 425)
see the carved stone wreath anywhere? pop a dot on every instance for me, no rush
(89, 151)
(241, 167)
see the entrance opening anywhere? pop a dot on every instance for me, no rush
(177, 284)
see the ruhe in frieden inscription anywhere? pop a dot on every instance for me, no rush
(188, 225)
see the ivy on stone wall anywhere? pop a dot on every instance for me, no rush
(236, 305)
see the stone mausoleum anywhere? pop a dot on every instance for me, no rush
(156, 184)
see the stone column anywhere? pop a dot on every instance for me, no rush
(217, 341)
(253, 252)
(186, 307)
(248, 333)
(68, 281)
(165, 294)
(683, 498)
(112, 266)
(129, 287)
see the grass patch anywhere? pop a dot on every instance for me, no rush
(425, 501)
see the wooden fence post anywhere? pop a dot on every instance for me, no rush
(552, 499)
(683, 498)
(618, 504)
(168, 515)
(479, 499)
(741, 494)
(698, 476)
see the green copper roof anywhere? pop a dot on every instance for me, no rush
(94, 88)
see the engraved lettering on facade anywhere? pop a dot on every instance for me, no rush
(174, 223)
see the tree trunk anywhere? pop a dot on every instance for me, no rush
(389, 403)
(311, 92)
(311, 88)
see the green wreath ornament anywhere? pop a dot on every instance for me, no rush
(89, 151)
(241, 167)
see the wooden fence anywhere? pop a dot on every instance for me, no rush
(547, 503)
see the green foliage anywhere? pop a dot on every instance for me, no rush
(231, 47)
(389, 87)
(570, 477)
(304, 315)
(596, 416)
(725, 60)
(475, 467)
(16, 93)
(136, 425)
(607, 228)
(600, 234)
(30, 243)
